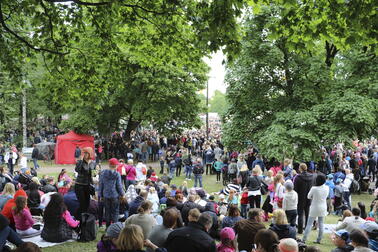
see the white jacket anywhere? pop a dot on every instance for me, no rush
(350, 223)
(290, 201)
(318, 195)
(8, 156)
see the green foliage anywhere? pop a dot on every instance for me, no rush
(218, 103)
(290, 104)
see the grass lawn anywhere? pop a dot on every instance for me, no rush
(210, 186)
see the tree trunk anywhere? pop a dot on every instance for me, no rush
(131, 125)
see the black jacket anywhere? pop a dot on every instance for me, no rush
(347, 248)
(49, 188)
(189, 239)
(198, 169)
(4, 222)
(35, 153)
(284, 231)
(84, 170)
(302, 185)
(187, 206)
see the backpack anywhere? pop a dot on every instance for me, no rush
(88, 228)
(354, 186)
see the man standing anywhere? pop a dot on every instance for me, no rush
(246, 229)
(110, 191)
(302, 185)
(77, 152)
(198, 171)
(193, 237)
(34, 156)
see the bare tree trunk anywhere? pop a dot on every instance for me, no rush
(24, 133)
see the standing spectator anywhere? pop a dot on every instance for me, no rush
(121, 169)
(130, 173)
(188, 167)
(247, 229)
(110, 191)
(302, 185)
(218, 165)
(198, 171)
(77, 153)
(279, 190)
(259, 162)
(254, 189)
(178, 162)
(318, 209)
(280, 225)
(34, 156)
(2, 152)
(372, 164)
(10, 158)
(290, 202)
(331, 192)
(209, 159)
(193, 237)
(141, 171)
(172, 168)
(84, 181)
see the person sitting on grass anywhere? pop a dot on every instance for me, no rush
(360, 241)
(23, 219)
(341, 240)
(266, 241)
(108, 240)
(58, 222)
(288, 245)
(8, 234)
(352, 222)
(7, 194)
(371, 229)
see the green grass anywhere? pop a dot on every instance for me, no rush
(210, 186)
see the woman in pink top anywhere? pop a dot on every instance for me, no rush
(23, 219)
(130, 173)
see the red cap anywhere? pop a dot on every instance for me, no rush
(113, 162)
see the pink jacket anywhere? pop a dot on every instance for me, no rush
(70, 221)
(131, 172)
(223, 248)
(23, 220)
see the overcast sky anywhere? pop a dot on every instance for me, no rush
(217, 73)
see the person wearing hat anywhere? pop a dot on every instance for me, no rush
(108, 240)
(227, 238)
(341, 240)
(84, 180)
(110, 191)
(371, 229)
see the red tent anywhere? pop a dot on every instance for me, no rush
(66, 144)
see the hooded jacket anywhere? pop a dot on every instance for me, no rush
(302, 185)
(7, 210)
(284, 231)
(110, 184)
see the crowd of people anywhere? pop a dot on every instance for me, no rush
(140, 208)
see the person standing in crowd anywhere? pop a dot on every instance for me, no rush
(254, 189)
(218, 165)
(130, 173)
(77, 153)
(34, 156)
(188, 167)
(318, 209)
(84, 181)
(302, 185)
(247, 229)
(259, 161)
(290, 202)
(141, 171)
(10, 159)
(198, 171)
(110, 191)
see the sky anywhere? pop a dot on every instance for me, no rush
(216, 74)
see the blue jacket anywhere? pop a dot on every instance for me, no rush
(331, 187)
(373, 244)
(260, 163)
(110, 184)
(338, 175)
(71, 202)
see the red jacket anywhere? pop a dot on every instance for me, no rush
(7, 210)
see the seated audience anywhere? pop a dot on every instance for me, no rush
(34, 199)
(58, 222)
(71, 201)
(266, 241)
(280, 225)
(247, 229)
(23, 219)
(143, 218)
(7, 194)
(50, 186)
(131, 239)
(193, 237)
(233, 216)
(108, 240)
(187, 206)
(7, 233)
(341, 240)
(194, 215)
(28, 247)
(134, 205)
(288, 245)
(371, 229)
(227, 240)
(360, 241)
(7, 209)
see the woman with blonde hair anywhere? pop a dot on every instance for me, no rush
(143, 218)
(130, 239)
(281, 226)
(7, 194)
(279, 190)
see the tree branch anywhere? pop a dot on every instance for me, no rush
(23, 40)
(79, 2)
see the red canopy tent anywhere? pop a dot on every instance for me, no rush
(66, 144)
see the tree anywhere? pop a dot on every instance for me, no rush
(218, 103)
(291, 103)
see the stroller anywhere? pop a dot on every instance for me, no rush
(364, 184)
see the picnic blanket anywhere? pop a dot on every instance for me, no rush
(329, 228)
(42, 243)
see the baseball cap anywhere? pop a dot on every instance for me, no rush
(227, 233)
(370, 227)
(114, 230)
(343, 234)
(113, 162)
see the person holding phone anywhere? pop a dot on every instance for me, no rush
(84, 181)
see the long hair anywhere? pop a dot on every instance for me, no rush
(144, 207)
(130, 238)
(9, 189)
(54, 210)
(20, 204)
(267, 240)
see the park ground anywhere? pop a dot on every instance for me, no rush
(210, 186)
